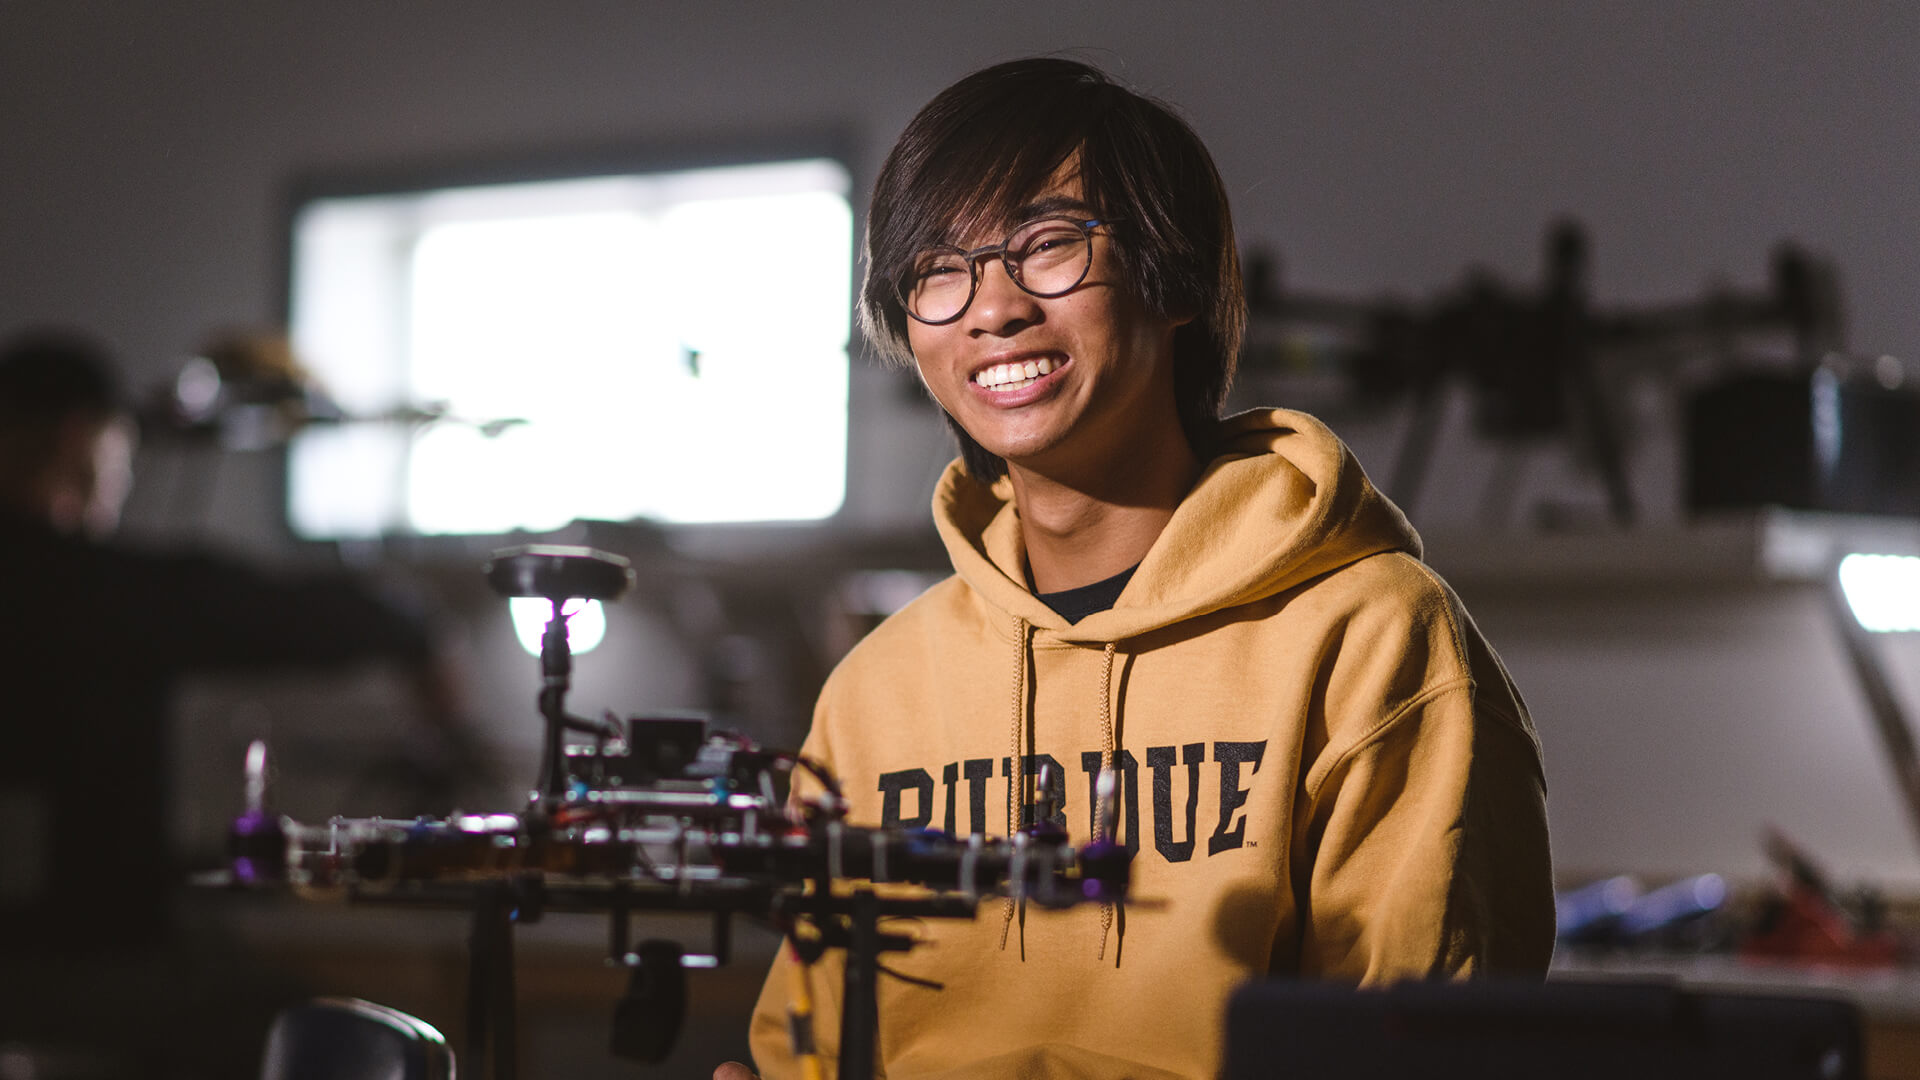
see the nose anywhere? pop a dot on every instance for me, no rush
(1000, 306)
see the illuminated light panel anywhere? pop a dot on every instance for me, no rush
(1883, 591)
(586, 626)
(654, 333)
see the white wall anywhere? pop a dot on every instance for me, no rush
(1683, 721)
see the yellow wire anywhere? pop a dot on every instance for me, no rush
(800, 1018)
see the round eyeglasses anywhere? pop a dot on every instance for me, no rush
(1047, 258)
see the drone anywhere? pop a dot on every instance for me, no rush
(662, 813)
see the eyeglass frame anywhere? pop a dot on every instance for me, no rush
(974, 257)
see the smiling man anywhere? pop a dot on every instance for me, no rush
(1321, 766)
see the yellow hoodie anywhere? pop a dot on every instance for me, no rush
(1324, 768)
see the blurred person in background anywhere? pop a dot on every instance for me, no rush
(94, 637)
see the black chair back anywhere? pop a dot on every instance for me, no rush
(350, 1039)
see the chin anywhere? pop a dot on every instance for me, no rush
(1009, 450)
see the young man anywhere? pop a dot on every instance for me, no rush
(1323, 768)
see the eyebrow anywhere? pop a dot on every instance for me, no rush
(1049, 205)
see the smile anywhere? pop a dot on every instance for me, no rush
(1009, 377)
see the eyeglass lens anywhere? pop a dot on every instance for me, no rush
(1045, 257)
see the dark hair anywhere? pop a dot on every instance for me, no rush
(988, 143)
(50, 373)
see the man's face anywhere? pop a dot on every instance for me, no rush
(87, 481)
(112, 475)
(1110, 360)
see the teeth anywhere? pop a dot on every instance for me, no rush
(1014, 376)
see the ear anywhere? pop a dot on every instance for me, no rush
(1181, 314)
(1183, 310)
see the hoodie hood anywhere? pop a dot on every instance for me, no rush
(1282, 501)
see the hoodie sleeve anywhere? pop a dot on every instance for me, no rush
(1422, 842)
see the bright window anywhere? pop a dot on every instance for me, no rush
(670, 346)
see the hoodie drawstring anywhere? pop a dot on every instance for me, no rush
(1107, 753)
(1019, 724)
(1016, 774)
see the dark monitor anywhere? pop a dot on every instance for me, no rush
(1510, 1030)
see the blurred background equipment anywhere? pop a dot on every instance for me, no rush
(247, 389)
(1546, 363)
(1808, 922)
(1842, 434)
(1512, 1030)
